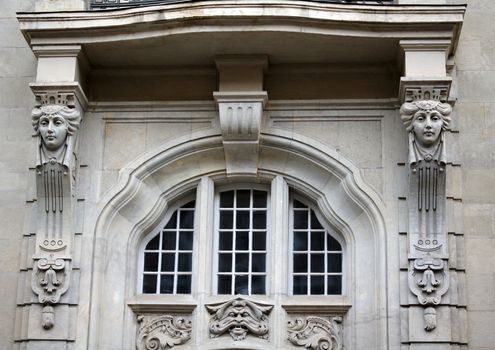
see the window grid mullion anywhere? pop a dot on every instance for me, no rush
(159, 268)
(234, 243)
(250, 233)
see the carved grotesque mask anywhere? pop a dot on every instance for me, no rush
(53, 130)
(427, 126)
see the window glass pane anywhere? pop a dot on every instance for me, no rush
(259, 219)
(225, 263)
(300, 241)
(300, 219)
(242, 219)
(300, 263)
(166, 284)
(334, 262)
(259, 241)
(172, 223)
(317, 241)
(153, 244)
(243, 198)
(226, 219)
(168, 261)
(332, 244)
(242, 240)
(227, 199)
(258, 285)
(151, 262)
(334, 285)
(185, 262)
(183, 284)
(186, 240)
(149, 284)
(224, 284)
(187, 219)
(241, 284)
(191, 204)
(317, 285)
(225, 240)
(317, 262)
(259, 263)
(298, 204)
(300, 285)
(242, 262)
(314, 221)
(168, 242)
(259, 199)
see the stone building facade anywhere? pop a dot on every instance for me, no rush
(247, 174)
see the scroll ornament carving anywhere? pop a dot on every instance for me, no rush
(162, 332)
(316, 333)
(239, 317)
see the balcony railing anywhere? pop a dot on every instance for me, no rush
(103, 4)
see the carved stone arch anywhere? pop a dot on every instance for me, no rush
(148, 184)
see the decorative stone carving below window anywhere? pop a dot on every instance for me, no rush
(162, 332)
(316, 333)
(239, 317)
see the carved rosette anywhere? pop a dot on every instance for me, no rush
(239, 317)
(162, 332)
(426, 118)
(316, 333)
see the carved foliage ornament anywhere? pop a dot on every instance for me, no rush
(162, 332)
(239, 317)
(50, 279)
(316, 333)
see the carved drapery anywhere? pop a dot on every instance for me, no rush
(55, 120)
(316, 333)
(239, 317)
(426, 118)
(162, 332)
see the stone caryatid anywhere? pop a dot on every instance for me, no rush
(426, 118)
(55, 120)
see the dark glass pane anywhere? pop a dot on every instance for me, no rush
(259, 219)
(226, 219)
(242, 240)
(242, 219)
(172, 222)
(317, 285)
(241, 285)
(227, 199)
(149, 284)
(300, 263)
(300, 241)
(332, 244)
(258, 284)
(191, 204)
(186, 240)
(242, 262)
(224, 284)
(298, 204)
(317, 241)
(185, 262)
(314, 221)
(168, 242)
(243, 197)
(317, 262)
(168, 261)
(259, 199)
(224, 263)
(225, 240)
(166, 284)
(300, 285)
(259, 241)
(150, 261)
(259, 263)
(300, 219)
(183, 284)
(186, 219)
(334, 285)
(334, 262)
(154, 243)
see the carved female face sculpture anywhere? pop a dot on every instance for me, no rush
(53, 130)
(427, 126)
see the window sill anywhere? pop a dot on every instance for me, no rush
(303, 304)
(162, 303)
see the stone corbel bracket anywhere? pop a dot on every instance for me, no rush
(316, 332)
(240, 123)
